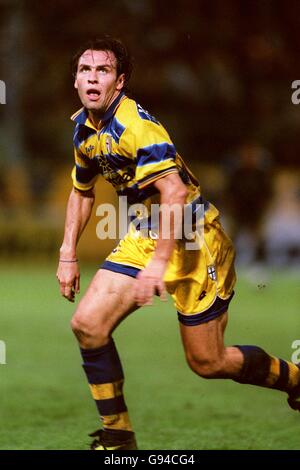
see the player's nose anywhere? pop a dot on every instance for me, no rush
(92, 77)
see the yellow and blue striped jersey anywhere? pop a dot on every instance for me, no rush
(131, 150)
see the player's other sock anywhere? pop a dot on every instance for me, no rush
(261, 369)
(113, 440)
(104, 372)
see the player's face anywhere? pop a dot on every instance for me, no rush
(96, 80)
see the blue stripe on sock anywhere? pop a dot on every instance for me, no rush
(283, 377)
(111, 406)
(256, 365)
(102, 365)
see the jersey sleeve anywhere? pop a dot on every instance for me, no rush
(85, 173)
(155, 153)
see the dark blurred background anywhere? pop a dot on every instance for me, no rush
(217, 74)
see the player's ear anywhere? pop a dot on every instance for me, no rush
(120, 82)
(76, 83)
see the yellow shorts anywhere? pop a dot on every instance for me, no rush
(200, 281)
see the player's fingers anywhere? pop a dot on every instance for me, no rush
(62, 286)
(162, 292)
(69, 293)
(148, 293)
(77, 285)
(159, 287)
(139, 295)
(140, 292)
(71, 298)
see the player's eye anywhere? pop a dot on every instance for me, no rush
(84, 69)
(102, 71)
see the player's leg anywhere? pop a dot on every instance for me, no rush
(205, 351)
(208, 357)
(107, 302)
(210, 273)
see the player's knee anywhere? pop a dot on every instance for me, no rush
(86, 333)
(206, 367)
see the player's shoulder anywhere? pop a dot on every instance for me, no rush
(132, 114)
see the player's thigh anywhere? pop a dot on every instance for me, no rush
(108, 299)
(204, 342)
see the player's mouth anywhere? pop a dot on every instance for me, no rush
(93, 94)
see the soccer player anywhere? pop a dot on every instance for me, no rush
(115, 137)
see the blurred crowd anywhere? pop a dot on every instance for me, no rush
(217, 74)
(260, 205)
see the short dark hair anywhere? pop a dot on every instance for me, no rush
(107, 43)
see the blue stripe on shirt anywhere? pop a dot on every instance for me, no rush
(155, 153)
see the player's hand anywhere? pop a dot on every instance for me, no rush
(150, 282)
(68, 276)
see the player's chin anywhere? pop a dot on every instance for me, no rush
(91, 108)
(92, 105)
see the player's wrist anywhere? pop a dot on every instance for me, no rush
(68, 260)
(67, 254)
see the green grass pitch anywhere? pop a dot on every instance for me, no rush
(45, 402)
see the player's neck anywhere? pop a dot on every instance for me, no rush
(96, 116)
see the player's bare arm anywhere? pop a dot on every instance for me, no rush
(149, 281)
(79, 210)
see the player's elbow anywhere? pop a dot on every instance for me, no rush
(176, 194)
(172, 189)
(183, 194)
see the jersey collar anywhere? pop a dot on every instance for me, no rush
(82, 116)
